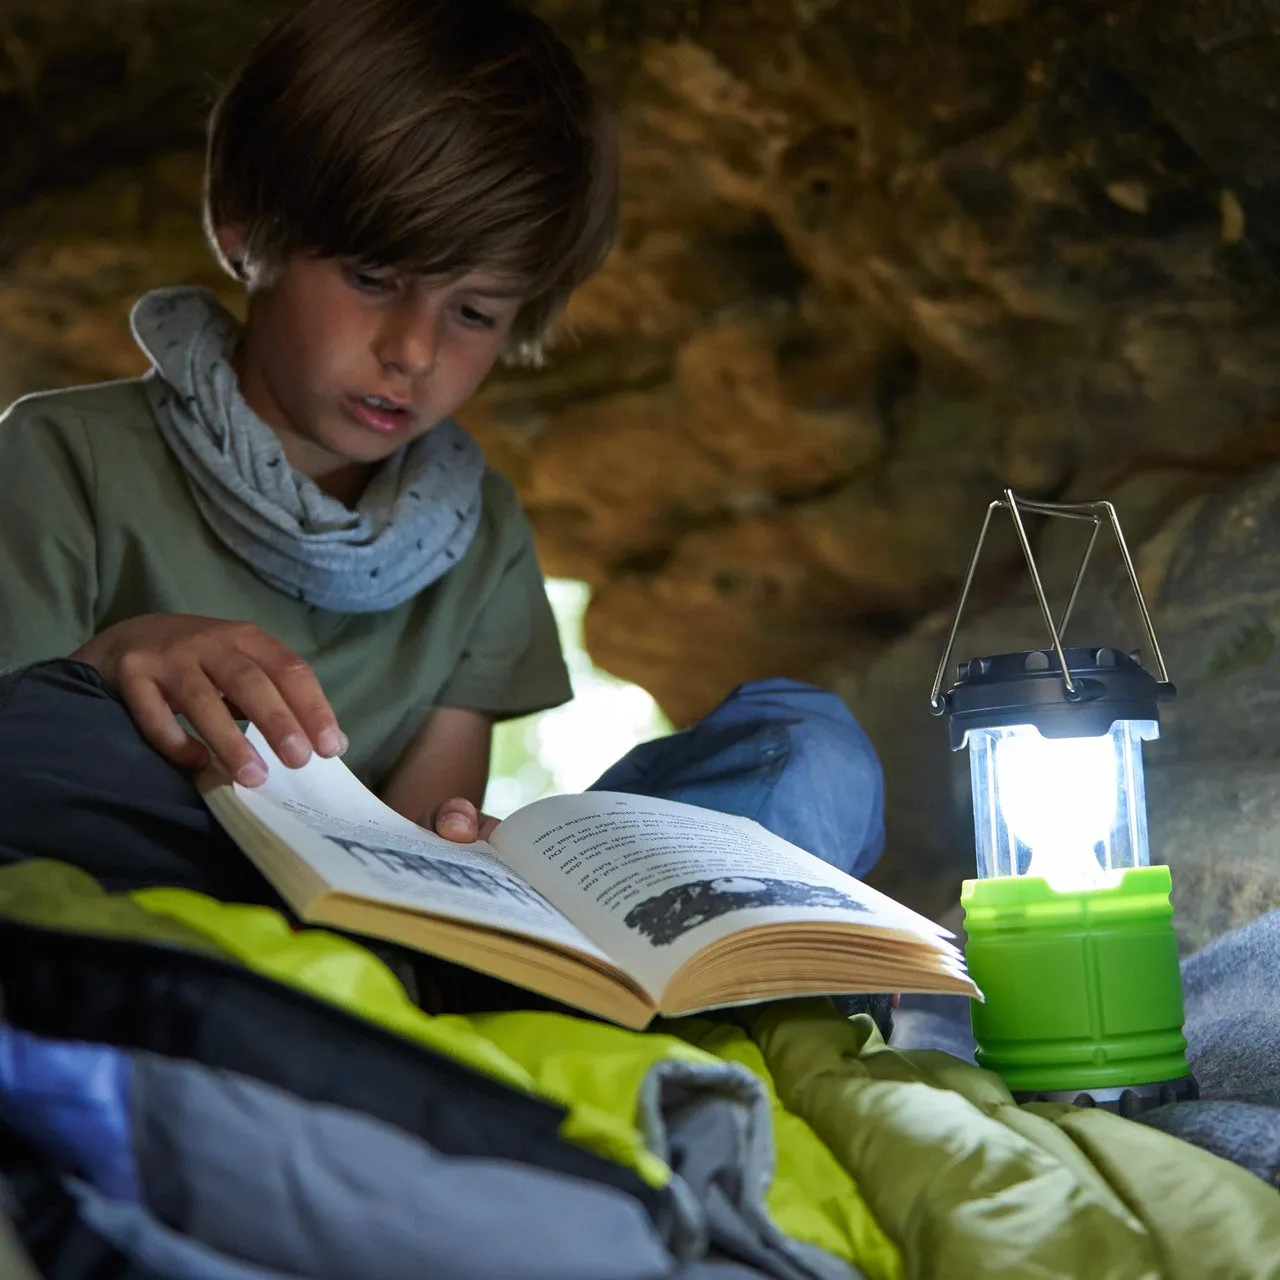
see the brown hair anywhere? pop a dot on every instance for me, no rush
(431, 136)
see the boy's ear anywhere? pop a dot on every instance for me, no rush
(230, 240)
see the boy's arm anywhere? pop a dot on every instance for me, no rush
(440, 779)
(510, 666)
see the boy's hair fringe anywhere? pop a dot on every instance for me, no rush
(436, 137)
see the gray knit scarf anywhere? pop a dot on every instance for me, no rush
(415, 519)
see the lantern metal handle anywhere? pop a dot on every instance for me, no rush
(1094, 512)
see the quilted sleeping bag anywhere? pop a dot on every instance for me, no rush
(193, 1089)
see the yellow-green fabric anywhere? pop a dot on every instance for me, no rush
(99, 526)
(905, 1164)
(54, 895)
(967, 1182)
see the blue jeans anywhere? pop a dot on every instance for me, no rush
(789, 755)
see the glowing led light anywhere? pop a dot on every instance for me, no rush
(1058, 797)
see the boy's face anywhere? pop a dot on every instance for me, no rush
(347, 366)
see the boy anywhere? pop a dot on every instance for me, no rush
(284, 524)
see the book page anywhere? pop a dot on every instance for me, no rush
(365, 848)
(658, 880)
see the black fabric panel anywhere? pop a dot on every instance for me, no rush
(182, 1004)
(45, 1219)
(79, 783)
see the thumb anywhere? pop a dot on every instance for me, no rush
(457, 820)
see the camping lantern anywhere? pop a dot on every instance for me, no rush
(1070, 929)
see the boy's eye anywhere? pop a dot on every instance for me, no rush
(369, 281)
(479, 319)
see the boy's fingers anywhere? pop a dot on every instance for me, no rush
(157, 723)
(197, 698)
(247, 690)
(457, 820)
(487, 825)
(304, 696)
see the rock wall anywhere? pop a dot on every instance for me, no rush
(876, 262)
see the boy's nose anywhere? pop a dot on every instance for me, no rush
(409, 347)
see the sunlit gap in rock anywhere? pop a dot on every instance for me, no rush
(568, 748)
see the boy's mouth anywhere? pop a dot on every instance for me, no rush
(378, 413)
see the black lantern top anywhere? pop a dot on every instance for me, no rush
(1027, 688)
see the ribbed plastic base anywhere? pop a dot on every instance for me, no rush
(1082, 990)
(1130, 1101)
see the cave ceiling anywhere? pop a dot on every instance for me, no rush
(876, 262)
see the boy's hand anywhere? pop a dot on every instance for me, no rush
(215, 672)
(460, 821)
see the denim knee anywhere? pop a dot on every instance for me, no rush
(789, 755)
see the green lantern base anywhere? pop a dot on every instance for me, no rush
(1083, 989)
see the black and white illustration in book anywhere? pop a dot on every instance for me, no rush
(443, 871)
(669, 915)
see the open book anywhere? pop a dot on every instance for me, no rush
(619, 905)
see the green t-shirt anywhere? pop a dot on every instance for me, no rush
(97, 524)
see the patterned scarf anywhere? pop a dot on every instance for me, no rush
(417, 515)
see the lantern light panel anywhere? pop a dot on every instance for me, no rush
(1070, 809)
